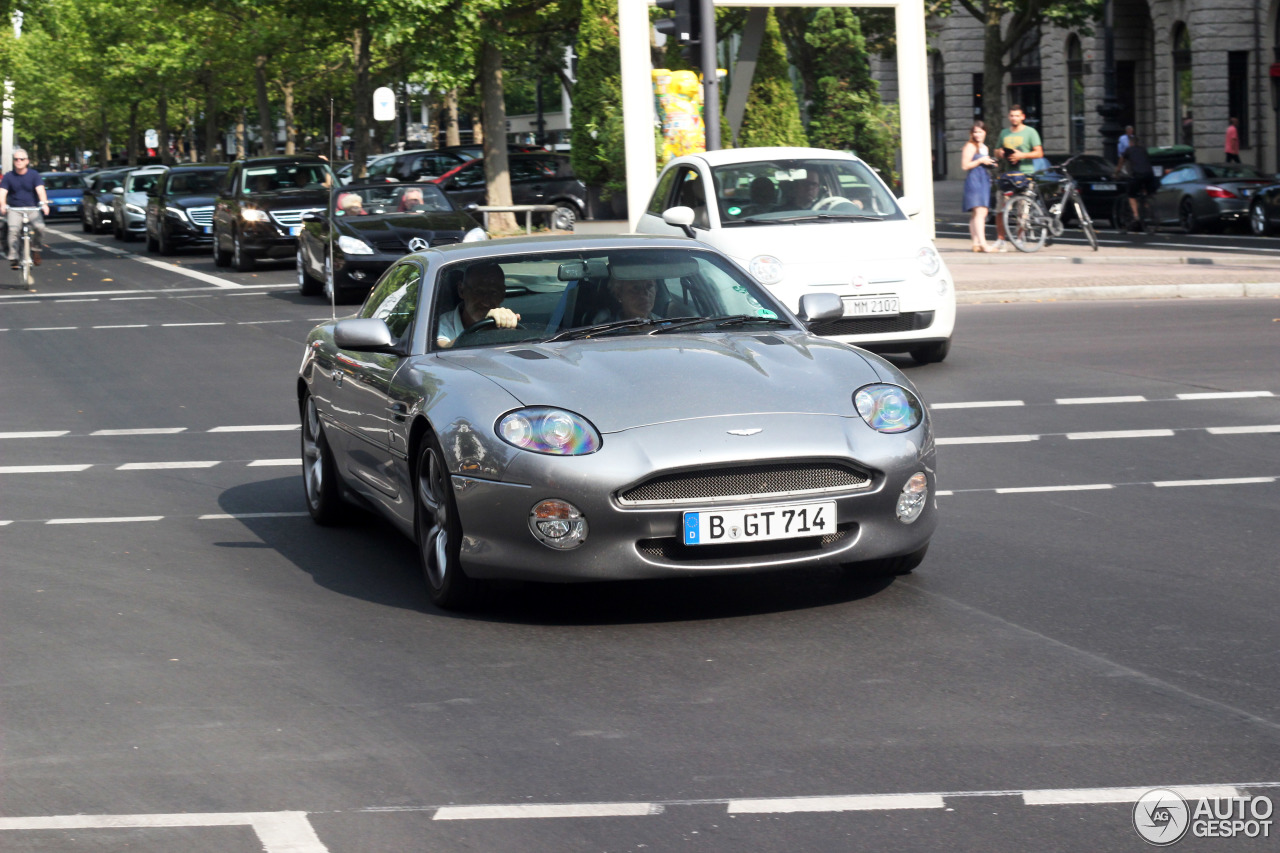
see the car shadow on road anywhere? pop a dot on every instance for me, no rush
(368, 559)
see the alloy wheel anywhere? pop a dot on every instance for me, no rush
(433, 517)
(312, 457)
(1258, 220)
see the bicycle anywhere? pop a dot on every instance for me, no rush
(25, 263)
(1027, 224)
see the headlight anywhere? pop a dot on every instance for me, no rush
(888, 408)
(766, 268)
(912, 500)
(927, 258)
(176, 211)
(252, 214)
(553, 431)
(352, 246)
(133, 208)
(475, 234)
(104, 207)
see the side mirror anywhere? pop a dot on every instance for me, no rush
(910, 206)
(363, 334)
(471, 208)
(118, 191)
(680, 217)
(314, 216)
(820, 306)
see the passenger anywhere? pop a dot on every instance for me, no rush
(480, 296)
(351, 204)
(764, 194)
(635, 299)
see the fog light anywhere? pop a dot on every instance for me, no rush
(358, 275)
(911, 501)
(558, 524)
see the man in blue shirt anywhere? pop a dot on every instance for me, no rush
(23, 188)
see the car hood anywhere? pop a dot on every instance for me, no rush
(185, 201)
(406, 225)
(64, 194)
(289, 199)
(627, 382)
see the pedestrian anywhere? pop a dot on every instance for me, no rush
(975, 157)
(23, 187)
(1019, 146)
(1125, 140)
(1142, 178)
(1232, 143)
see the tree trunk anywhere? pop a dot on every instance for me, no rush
(496, 175)
(451, 135)
(477, 128)
(266, 129)
(105, 139)
(290, 126)
(180, 146)
(212, 130)
(162, 129)
(993, 74)
(132, 145)
(242, 141)
(363, 100)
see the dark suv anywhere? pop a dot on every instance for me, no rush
(535, 179)
(259, 207)
(180, 208)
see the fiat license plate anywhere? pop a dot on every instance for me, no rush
(1104, 188)
(759, 523)
(862, 306)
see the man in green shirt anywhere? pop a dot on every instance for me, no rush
(1019, 146)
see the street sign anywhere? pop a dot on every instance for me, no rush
(152, 139)
(384, 104)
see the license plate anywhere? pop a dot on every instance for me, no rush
(1246, 193)
(759, 523)
(1104, 188)
(862, 306)
(208, 229)
(294, 229)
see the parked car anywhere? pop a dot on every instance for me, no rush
(420, 165)
(709, 433)
(1096, 179)
(259, 207)
(180, 208)
(800, 218)
(129, 204)
(65, 191)
(535, 179)
(1205, 196)
(393, 220)
(98, 203)
(475, 150)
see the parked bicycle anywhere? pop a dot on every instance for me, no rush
(25, 262)
(1029, 221)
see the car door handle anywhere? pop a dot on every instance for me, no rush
(400, 410)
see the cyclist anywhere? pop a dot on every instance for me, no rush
(23, 187)
(1142, 178)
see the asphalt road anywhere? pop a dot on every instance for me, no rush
(190, 664)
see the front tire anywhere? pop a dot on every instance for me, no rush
(931, 353)
(438, 531)
(564, 217)
(241, 259)
(220, 258)
(308, 285)
(1258, 223)
(319, 473)
(1187, 216)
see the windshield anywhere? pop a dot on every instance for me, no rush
(63, 182)
(1231, 172)
(781, 190)
(196, 183)
(143, 183)
(392, 198)
(608, 292)
(286, 176)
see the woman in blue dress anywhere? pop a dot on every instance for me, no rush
(977, 185)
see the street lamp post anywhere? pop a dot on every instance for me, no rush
(6, 126)
(1110, 108)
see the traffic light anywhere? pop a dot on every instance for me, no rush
(686, 26)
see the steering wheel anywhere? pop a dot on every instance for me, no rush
(487, 321)
(830, 201)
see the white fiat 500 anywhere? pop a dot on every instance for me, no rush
(808, 220)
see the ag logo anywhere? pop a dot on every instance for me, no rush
(417, 244)
(1161, 817)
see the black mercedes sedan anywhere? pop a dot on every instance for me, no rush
(180, 208)
(370, 227)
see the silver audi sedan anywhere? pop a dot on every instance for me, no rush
(598, 408)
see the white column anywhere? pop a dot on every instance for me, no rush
(637, 105)
(6, 129)
(913, 102)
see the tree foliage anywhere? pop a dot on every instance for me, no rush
(598, 151)
(772, 114)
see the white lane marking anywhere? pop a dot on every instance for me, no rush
(51, 329)
(260, 322)
(1120, 433)
(196, 296)
(143, 431)
(42, 469)
(1121, 795)
(986, 439)
(1084, 401)
(94, 299)
(167, 267)
(978, 404)
(124, 326)
(547, 810)
(1224, 395)
(162, 466)
(1226, 481)
(257, 428)
(266, 463)
(46, 434)
(180, 325)
(1090, 487)
(5, 523)
(279, 832)
(124, 519)
(945, 494)
(131, 298)
(1240, 430)
(236, 516)
(871, 802)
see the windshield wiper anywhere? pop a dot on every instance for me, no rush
(598, 328)
(721, 322)
(827, 217)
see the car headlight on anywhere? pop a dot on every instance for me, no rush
(352, 246)
(176, 211)
(558, 524)
(927, 258)
(133, 208)
(474, 235)
(553, 431)
(766, 269)
(913, 498)
(252, 214)
(104, 207)
(888, 408)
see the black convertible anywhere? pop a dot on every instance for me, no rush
(373, 226)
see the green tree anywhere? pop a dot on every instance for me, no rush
(772, 115)
(598, 151)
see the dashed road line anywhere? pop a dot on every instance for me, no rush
(141, 431)
(1121, 433)
(154, 325)
(122, 326)
(53, 433)
(1086, 401)
(1224, 395)
(866, 802)
(1243, 430)
(237, 516)
(43, 469)
(1089, 487)
(162, 466)
(121, 519)
(257, 428)
(1108, 434)
(546, 810)
(986, 439)
(1096, 796)
(273, 463)
(1225, 481)
(978, 404)
(1080, 401)
(278, 832)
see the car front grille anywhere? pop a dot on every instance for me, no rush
(201, 215)
(290, 218)
(780, 479)
(671, 549)
(908, 322)
(390, 245)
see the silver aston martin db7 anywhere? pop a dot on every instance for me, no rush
(594, 408)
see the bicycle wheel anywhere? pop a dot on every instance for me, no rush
(28, 280)
(1024, 224)
(1086, 225)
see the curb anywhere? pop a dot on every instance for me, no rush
(1135, 291)
(963, 259)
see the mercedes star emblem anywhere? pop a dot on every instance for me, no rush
(417, 244)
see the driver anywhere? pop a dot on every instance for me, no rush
(480, 297)
(412, 200)
(806, 192)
